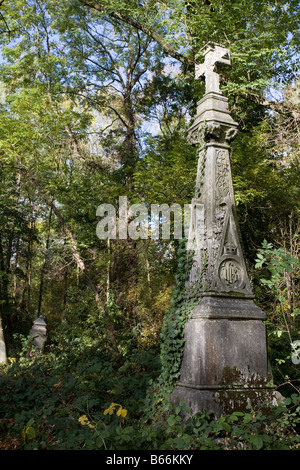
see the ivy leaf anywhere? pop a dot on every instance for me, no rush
(257, 441)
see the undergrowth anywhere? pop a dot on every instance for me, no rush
(77, 395)
(93, 403)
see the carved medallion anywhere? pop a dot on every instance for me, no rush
(230, 273)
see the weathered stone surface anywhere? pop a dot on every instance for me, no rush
(3, 356)
(213, 120)
(214, 234)
(38, 333)
(225, 365)
(228, 353)
(218, 306)
(222, 401)
(214, 55)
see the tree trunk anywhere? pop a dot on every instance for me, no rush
(108, 286)
(4, 296)
(43, 270)
(130, 140)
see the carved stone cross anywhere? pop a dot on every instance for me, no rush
(214, 55)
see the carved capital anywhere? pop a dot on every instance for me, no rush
(202, 133)
(196, 135)
(213, 130)
(231, 134)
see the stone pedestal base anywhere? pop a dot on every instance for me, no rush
(225, 365)
(221, 401)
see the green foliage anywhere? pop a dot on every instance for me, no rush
(281, 269)
(172, 333)
(84, 400)
(78, 396)
(279, 262)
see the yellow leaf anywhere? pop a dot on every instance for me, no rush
(110, 409)
(122, 412)
(83, 420)
(57, 385)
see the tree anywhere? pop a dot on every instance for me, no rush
(259, 34)
(110, 63)
(83, 80)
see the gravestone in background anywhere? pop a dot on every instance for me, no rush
(225, 365)
(38, 333)
(3, 356)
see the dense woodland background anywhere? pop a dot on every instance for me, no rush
(95, 102)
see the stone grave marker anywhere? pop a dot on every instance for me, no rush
(225, 365)
(38, 333)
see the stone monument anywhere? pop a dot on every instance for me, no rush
(225, 365)
(3, 357)
(38, 333)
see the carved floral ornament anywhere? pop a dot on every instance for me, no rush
(203, 133)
